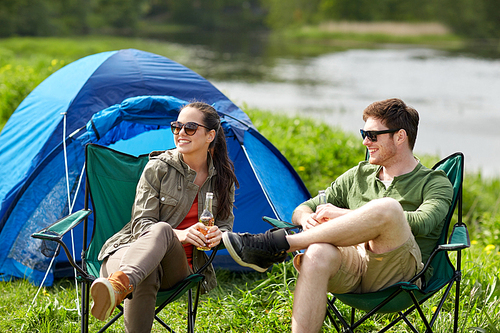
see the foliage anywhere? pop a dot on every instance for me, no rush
(476, 19)
(26, 62)
(222, 14)
(318, 153)
(472, 18)
(19, 78)
(262, 302)
(65, 17)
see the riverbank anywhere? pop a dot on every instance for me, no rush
(374, 34)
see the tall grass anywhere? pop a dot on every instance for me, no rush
(253, 302)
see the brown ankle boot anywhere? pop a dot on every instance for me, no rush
(107, 293)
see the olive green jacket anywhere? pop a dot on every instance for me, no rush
(166, 192)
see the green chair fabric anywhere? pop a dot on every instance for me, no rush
(112, 178)
(406, 296)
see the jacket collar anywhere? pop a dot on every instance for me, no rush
(174, 158)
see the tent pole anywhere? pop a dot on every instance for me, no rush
(70, 206)
(260, 183)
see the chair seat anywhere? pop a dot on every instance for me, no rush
(369, 301)
(178, 289)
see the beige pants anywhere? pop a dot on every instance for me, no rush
(363, 271)
(155, 261)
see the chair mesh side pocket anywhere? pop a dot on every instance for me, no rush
(50, 248)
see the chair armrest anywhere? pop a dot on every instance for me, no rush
(459, 240)
(459, 236)
(58, 229)
(452, 247)
(280, 224)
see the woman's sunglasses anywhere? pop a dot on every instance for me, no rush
(372, 135)
(189, 128)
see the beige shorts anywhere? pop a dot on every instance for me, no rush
(363, 271)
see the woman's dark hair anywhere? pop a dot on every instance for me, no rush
(223, 165)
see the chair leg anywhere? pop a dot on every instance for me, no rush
(112, 320)
(345, 325)
(421, 313)
(329, 308)
(162, 323)
(457, 306)
(457, 290)
(197, 298)
(190, 312)
(85, 307)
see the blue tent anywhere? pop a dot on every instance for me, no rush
(123, 99)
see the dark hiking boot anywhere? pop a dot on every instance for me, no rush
(259, 251)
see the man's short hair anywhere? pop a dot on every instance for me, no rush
(394, 113)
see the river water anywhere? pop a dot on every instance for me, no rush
(458, 98)
(456, 95)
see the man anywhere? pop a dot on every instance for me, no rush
(381, 221)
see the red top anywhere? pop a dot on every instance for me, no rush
(190, 219)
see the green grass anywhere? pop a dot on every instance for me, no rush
(316, 33)
(73, 48)
(251, 302)
(255, 302)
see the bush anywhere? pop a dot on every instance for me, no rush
(317, 152)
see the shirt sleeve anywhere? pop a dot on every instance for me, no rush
(437, 196)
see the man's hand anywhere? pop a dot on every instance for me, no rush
(303, 216)
(308, 219)
(327, 212)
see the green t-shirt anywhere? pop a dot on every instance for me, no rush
(424, 194)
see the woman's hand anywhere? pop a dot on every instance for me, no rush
(193, 235)
(214, 236)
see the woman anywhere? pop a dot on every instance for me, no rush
(157, 248)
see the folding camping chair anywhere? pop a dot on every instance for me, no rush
(110, 185)
(405, 297)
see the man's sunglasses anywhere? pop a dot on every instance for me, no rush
(372, 135)
(190, 128)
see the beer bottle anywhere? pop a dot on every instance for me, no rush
(207, 217)
(322, 197)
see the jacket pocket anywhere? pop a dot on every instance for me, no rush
(167, 199)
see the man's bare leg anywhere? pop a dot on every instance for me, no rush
(319, 264)
(380, 222)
